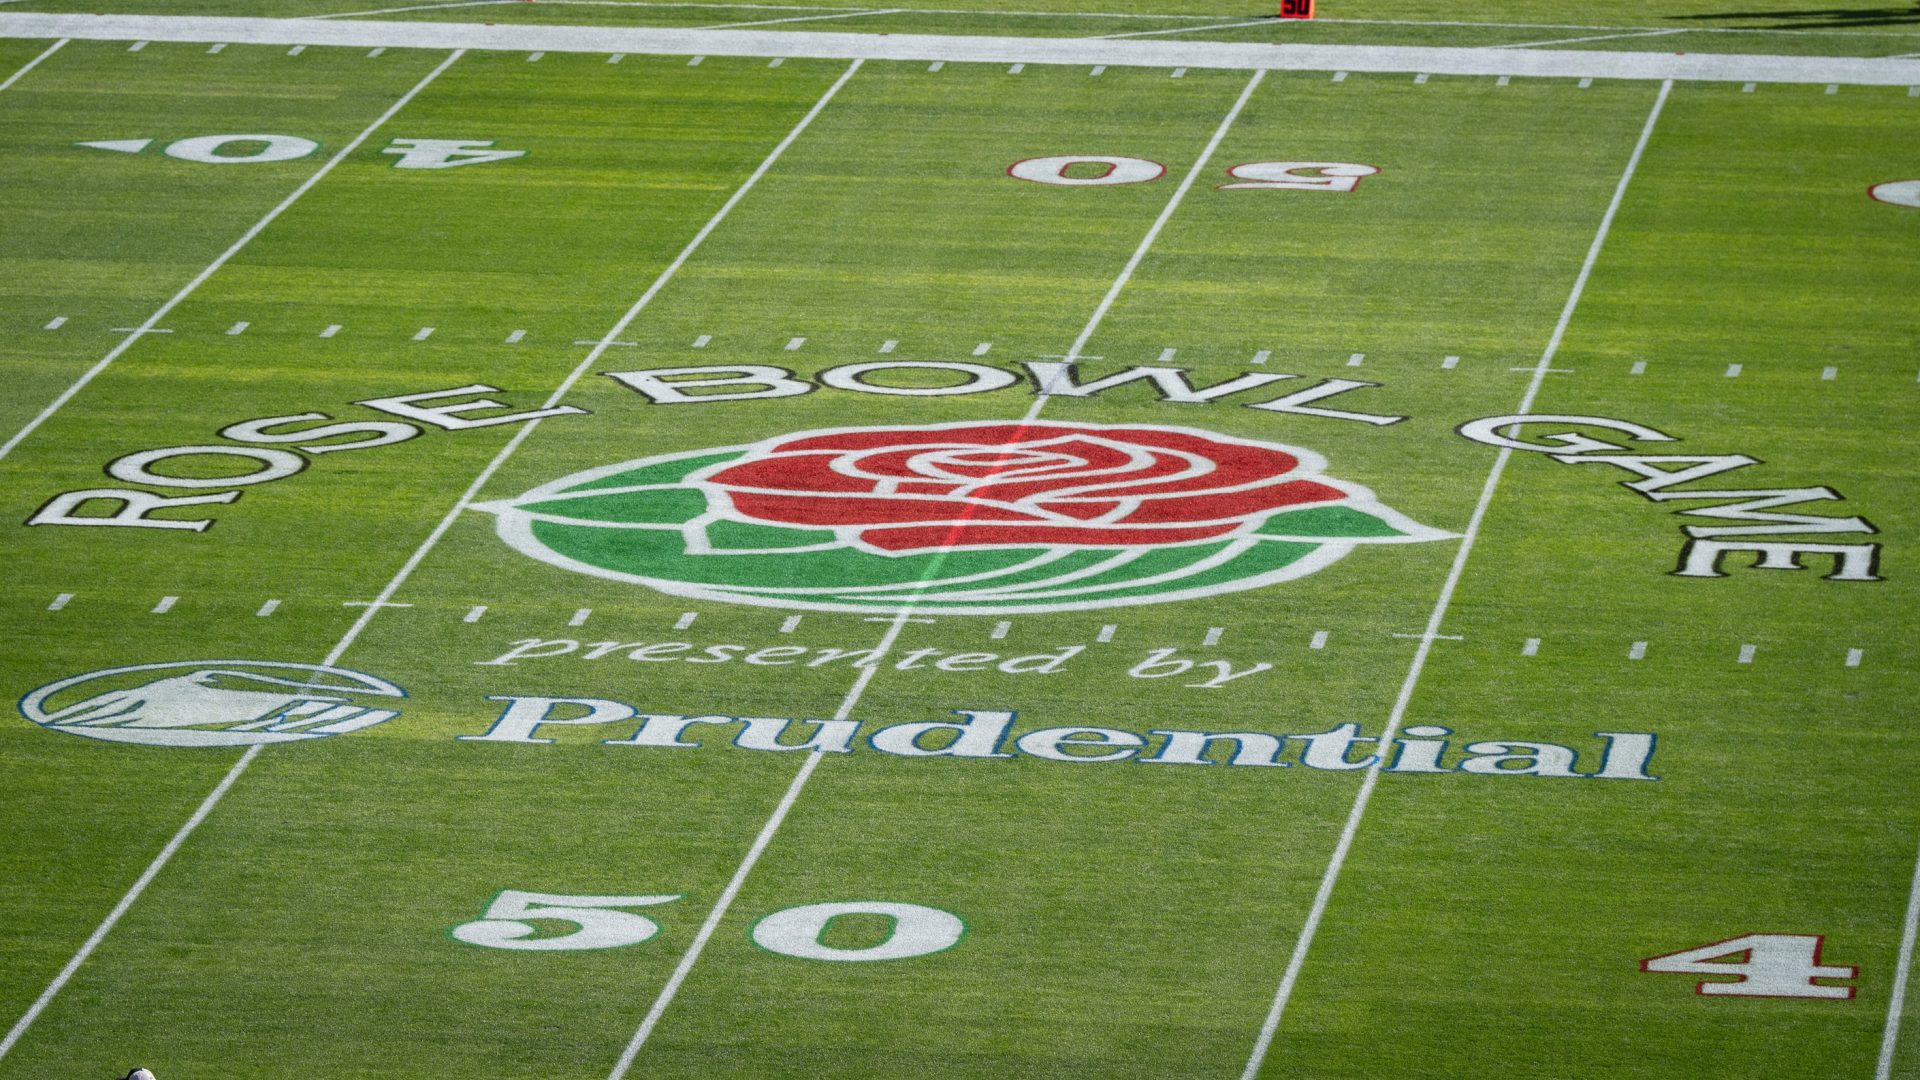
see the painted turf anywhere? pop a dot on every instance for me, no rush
(1509, 61)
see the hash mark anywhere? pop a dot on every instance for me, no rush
(888, 346)
(60, 601)
(296, 50)
(794, 344)
(376, 52)
(424, 333)
(1733, 371)
(1262, 356)
(212, 49)
(1166, 355)
(1339, 76)
(165, 605)
(1106, 633)
(58, 322)
(1913, 91)
(516, 337)
(473, 613)
(267, 609)
(1639, 368)
(1746, 654)
(1585, 83)
(981, 349)
(332, 329)
(695, 62)
(136, 46)
(1000, 630)
(616, 58)
(686, 620)
(1748, 89)
(580, 617)
(237, 329)
(790, 624)
(1833, 88)
(1356, 359)
(776, 61)
(1638, 651)
(534, 57)
(1504, 80)
(1829, 374)
(936, 65)
(1179, 73)
(1098, 69)
(701, 341)
(1319, 640)
(1420, 79)
(1213, 635)
(1016, 69)
(1448, 363)
(1853, 657)
(1531, 647)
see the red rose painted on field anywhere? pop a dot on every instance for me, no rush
(1017, 484)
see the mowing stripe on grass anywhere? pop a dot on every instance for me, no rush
(1325, 893)
(223, 258)
(899, 622)
(1558, 63)
(33, 63)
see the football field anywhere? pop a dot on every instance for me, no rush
(559, 542)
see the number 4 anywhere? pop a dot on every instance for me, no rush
(501, 925)
(1767, 965)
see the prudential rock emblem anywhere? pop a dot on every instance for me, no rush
(971, 518)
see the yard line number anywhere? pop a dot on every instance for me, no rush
(600, 923)
(1759, 965)
(1093, 170)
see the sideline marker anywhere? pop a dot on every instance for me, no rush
(136, 46)
(215, 48)
(425, 333)
(1853, 657)
(165, 605)
(57, 322)
(61, 601)
(1586, 84)
(534, 57)
(616, 58)
(1448, 363)
(516, 337)
(776, 61)
(1638, 652)
(237, 329)
(296, 50)
(1733, 371)
(1319, 640)
(1296, 9)
(936, 65)
(332, 329)
(1746, 654)
(267, 609)
(1748, 88)
(1531, 647)
(1639, 368)
(1829, 374)
(376, 52)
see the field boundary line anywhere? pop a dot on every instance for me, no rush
(1324, 895)
(222, 259)
(804, 18)
(1601, 37)
(33, 63)
(353, 632)
(127, 901)
(1903, 970)
(815, 44)
(764, 838)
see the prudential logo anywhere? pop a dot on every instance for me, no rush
(213, 703)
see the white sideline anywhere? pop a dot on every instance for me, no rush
(1325, 892)
(33, 63)
(1555, 63)
(767, 831)
(213, 267)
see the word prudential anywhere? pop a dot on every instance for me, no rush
(989, 734)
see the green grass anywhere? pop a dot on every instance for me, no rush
(1122, 921)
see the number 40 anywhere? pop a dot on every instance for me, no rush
(796, 931)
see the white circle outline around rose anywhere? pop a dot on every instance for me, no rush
(30, 705)
(514, 526)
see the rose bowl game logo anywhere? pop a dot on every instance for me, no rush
(971, 518)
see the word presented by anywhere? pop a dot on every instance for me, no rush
(988, 734)
(1157, 664)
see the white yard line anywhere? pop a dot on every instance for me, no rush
(1187, 29)
(1601, 37)
(33, 63)
(767, 831)
(412, 7)
(106, 925)
(1345, 845)
(1890, 1037)
(804, 18)
(816, 44)
(353, 632)
(213, 267)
